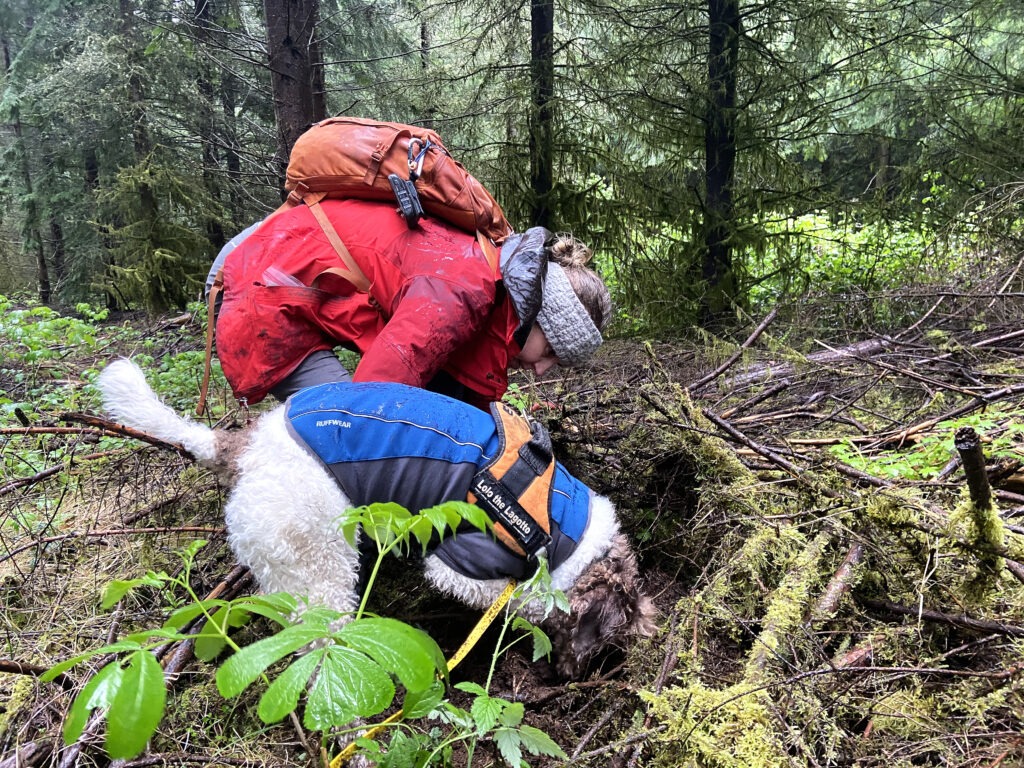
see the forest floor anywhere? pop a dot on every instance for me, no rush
(831, 523)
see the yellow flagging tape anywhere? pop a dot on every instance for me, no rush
(459, 655)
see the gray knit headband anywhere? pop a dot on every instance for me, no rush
(571, 333)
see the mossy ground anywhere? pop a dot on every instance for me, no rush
(810, 615)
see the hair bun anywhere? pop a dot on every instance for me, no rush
(567, 251)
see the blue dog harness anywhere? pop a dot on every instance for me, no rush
(385, 442)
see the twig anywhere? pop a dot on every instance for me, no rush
(174, 656)
(868, 347)
(910, 374)
(863, 477)
(759, 449)
(840, 584)
(91, 431)
(978, 401)
(964, 621)
(179, 758)
(601, 723)
(668, 664)
(299, 731)
(737, 355)
(27, 755)
(156, 506)
(51, 471)
(546, 694)
(1015, 569)
(856, 655)
(13, 667)
(111, 532)
(636, 737)
(758, 398)
(920, 320)
(996, 339)
(123, 431)
(797, 473)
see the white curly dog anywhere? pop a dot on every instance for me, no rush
(282, 521)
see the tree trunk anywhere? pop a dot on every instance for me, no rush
(232, 156)
(142, 143)
(204, 14)
(542, 71)
(33, 237)
(296, 72)
(720, 159)
(57, 249)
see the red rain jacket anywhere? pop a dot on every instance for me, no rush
(443, 306)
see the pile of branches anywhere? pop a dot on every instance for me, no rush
(838, 597)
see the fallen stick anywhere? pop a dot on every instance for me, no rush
(121, 430)
(13, 667)
(840, 584)
(51, 471)
(738, 354)
(965, 622)
(111, 532)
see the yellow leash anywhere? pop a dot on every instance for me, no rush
(459, 655)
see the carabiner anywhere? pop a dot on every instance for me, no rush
(416, 158)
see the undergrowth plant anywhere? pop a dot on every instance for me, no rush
(1003, 434)
(344, 668)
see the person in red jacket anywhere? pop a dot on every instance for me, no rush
(439, 314)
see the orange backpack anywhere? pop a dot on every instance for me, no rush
(357, 158)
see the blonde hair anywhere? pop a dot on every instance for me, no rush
(572, 256)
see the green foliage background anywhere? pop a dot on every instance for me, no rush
(142, 137)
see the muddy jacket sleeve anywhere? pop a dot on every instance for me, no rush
(431, 318)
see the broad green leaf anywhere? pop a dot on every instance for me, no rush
(456, 716)
(380, 521)
(443, 518)
(472, 514)
(137, 707)
(472, 688)
(190, 551)
(485, 711)
(213, 637)
(423, 530)
(348, 685)
(541, 642)
(421, 703)
(64, 666)
(118, 588)
(403, 650)
(147, 636)
(320, 617)
(187, 613)
(508, 742)
(98, 692)
(282, 696)
(539, 743)
(512, 714)
(278, 607)
(241, 670)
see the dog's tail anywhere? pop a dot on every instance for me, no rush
(129, 399)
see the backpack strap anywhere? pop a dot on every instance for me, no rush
(491, 252)
(215, 289)
(351, 272)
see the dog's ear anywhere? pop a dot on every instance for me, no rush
(607, 609)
